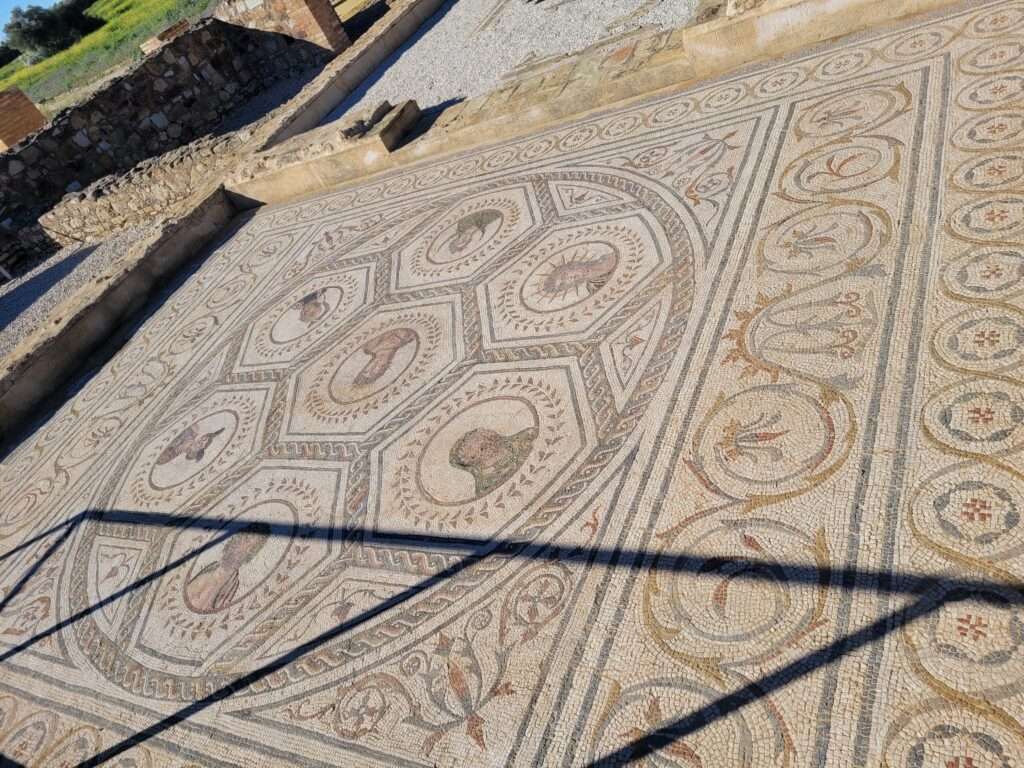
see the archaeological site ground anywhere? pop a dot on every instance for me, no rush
(392, 386)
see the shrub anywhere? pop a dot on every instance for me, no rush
(8, 54)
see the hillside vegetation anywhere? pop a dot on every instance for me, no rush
(126, 23)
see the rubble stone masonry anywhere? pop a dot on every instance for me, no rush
(175, 95)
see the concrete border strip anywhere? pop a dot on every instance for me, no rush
(51, 355)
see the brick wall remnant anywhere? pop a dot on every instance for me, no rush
(315, 21)
(18, 117)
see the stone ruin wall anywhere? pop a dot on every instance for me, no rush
(173, 96)
(153, 188)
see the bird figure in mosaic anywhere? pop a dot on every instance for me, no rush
(471, 226)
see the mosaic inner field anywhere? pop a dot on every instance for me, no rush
(687, 434)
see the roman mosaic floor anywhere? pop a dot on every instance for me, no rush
(690, 433)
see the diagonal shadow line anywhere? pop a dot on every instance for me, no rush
(70, 522)
(34, 568)
(749, 569)
(482, 548)
(113, 596)
(667, 735)
(277, 664)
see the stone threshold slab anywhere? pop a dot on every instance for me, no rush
(316, 161)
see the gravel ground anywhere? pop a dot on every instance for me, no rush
(27, 301)
(265, 102)
(468, 45)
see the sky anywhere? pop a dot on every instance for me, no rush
(7, 5)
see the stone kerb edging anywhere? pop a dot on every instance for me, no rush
(645, 65)
(46, 359)
(616, 73)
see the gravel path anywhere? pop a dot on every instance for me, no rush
(264, 102)
(26, 302)
(468, 45)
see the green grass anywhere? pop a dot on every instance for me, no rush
(11, 67)
(127, 23)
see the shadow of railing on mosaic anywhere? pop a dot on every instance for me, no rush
(931, 592)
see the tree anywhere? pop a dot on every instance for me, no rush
(46, 31)
(8, 54)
